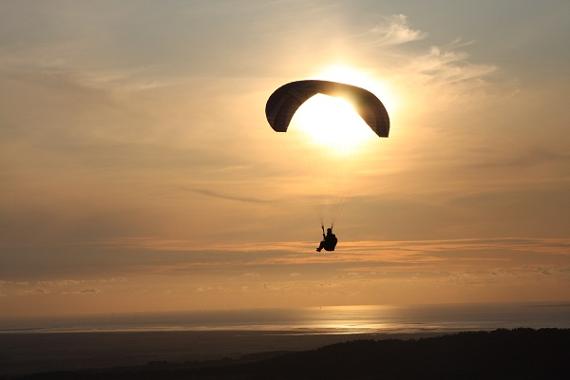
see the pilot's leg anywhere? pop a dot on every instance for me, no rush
(321, 246)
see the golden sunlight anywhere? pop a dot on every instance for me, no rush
(333, 122)
(349, 75)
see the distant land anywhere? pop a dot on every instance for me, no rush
(500, 354)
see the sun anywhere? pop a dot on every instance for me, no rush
(332, 122)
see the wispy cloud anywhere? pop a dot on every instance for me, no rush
(394, 30)
(420, 252)
(229, 197)
(533, 156)
(430, 63)
(450, 67)
(59, 287)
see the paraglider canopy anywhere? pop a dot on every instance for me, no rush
(284, 102)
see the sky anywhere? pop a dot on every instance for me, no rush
(138, 172)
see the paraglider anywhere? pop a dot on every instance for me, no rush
(284, 102)
(329, 240)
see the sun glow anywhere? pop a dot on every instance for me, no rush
(332, 122)
(349, 75)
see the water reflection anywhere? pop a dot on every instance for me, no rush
(359, 319)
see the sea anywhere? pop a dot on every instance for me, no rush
(33, 345)
(355, 319)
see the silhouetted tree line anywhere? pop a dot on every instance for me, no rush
(500, 354)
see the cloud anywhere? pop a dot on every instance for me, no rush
(532, 156)
(89, 291)
(230, 197)
(437, 64)
(450, 67)
(418, 254)
(445, 64)
(59, 286)
(394, 30)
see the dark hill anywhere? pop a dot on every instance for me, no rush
(500, 354)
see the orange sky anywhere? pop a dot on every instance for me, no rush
(139, 173)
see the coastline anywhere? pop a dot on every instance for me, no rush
(500, 354)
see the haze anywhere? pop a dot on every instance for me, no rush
(138, 172)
